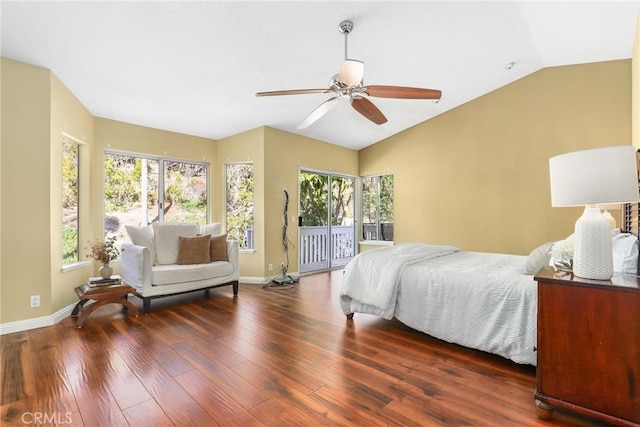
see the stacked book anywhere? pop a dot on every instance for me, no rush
(101, 281)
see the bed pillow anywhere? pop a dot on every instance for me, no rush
(538, 258)
(142, 236)
(218, 248)
(625, 253)
(193, 250)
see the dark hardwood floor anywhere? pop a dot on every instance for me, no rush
(267, 357)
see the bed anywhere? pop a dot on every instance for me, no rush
(485, 301)
(478, 300)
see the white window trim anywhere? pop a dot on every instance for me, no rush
(376, 242)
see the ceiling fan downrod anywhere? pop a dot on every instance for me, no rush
(345, 28)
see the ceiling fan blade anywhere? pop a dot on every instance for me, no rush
(351, 72)
(292, 92)
(367, 109)
(320, 111)
(402, 92)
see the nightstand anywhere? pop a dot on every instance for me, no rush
(589, 346)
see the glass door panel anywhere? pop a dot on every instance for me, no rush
(342, 220)
(314, 226)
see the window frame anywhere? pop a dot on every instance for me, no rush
(250, 245)
(379, 236)
(69, 139)
(161, 182)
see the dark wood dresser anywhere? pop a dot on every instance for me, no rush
(589, 347)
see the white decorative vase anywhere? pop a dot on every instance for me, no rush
(105, 271)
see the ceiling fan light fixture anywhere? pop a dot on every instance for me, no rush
(351, 72)
(348, 83)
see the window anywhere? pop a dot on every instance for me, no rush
(133, 186)
(70, 201)
(239, 194)
(377, 207)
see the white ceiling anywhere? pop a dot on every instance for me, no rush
(194, 67)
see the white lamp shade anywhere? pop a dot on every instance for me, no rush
(596, 176)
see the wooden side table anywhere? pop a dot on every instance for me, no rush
(102, 295)
(589, 347)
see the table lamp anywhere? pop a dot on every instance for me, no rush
(606, 207)
(586, 178)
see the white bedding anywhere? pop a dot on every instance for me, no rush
(370, 282)
(478, 300)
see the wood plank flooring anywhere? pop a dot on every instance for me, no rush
(268, 357)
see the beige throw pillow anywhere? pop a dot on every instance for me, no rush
(193, 250)
(218, 248)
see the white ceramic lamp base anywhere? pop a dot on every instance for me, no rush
(593, 254)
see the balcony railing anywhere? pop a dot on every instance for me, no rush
(370, 231)
(315, 247)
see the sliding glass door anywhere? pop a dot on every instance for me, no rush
(327, 226)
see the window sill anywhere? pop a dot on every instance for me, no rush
(247, 251)
(76, 266)
(376, 242)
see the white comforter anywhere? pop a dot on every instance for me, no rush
(478, 300)
(370, 282)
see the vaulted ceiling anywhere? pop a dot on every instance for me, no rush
(194, 67)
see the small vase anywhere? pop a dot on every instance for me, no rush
(105, 271)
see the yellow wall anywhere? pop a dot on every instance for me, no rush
(244, 147)
(277, 157)
(635, 91)
(477, 176)
(284, 154)
(70, 116)
(26, 250)
(36, 109)
(1, 62)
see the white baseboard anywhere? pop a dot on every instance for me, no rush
(36, 322)
(44, 321)
(250, 280)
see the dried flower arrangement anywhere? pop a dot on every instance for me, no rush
(104, 251)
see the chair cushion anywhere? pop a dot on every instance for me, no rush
(166, 239)
(193, 250)
(171, 274)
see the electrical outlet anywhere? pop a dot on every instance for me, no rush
(270, 267)
(282, 266)
(35, 301)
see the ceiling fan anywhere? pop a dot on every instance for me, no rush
(348, 83)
